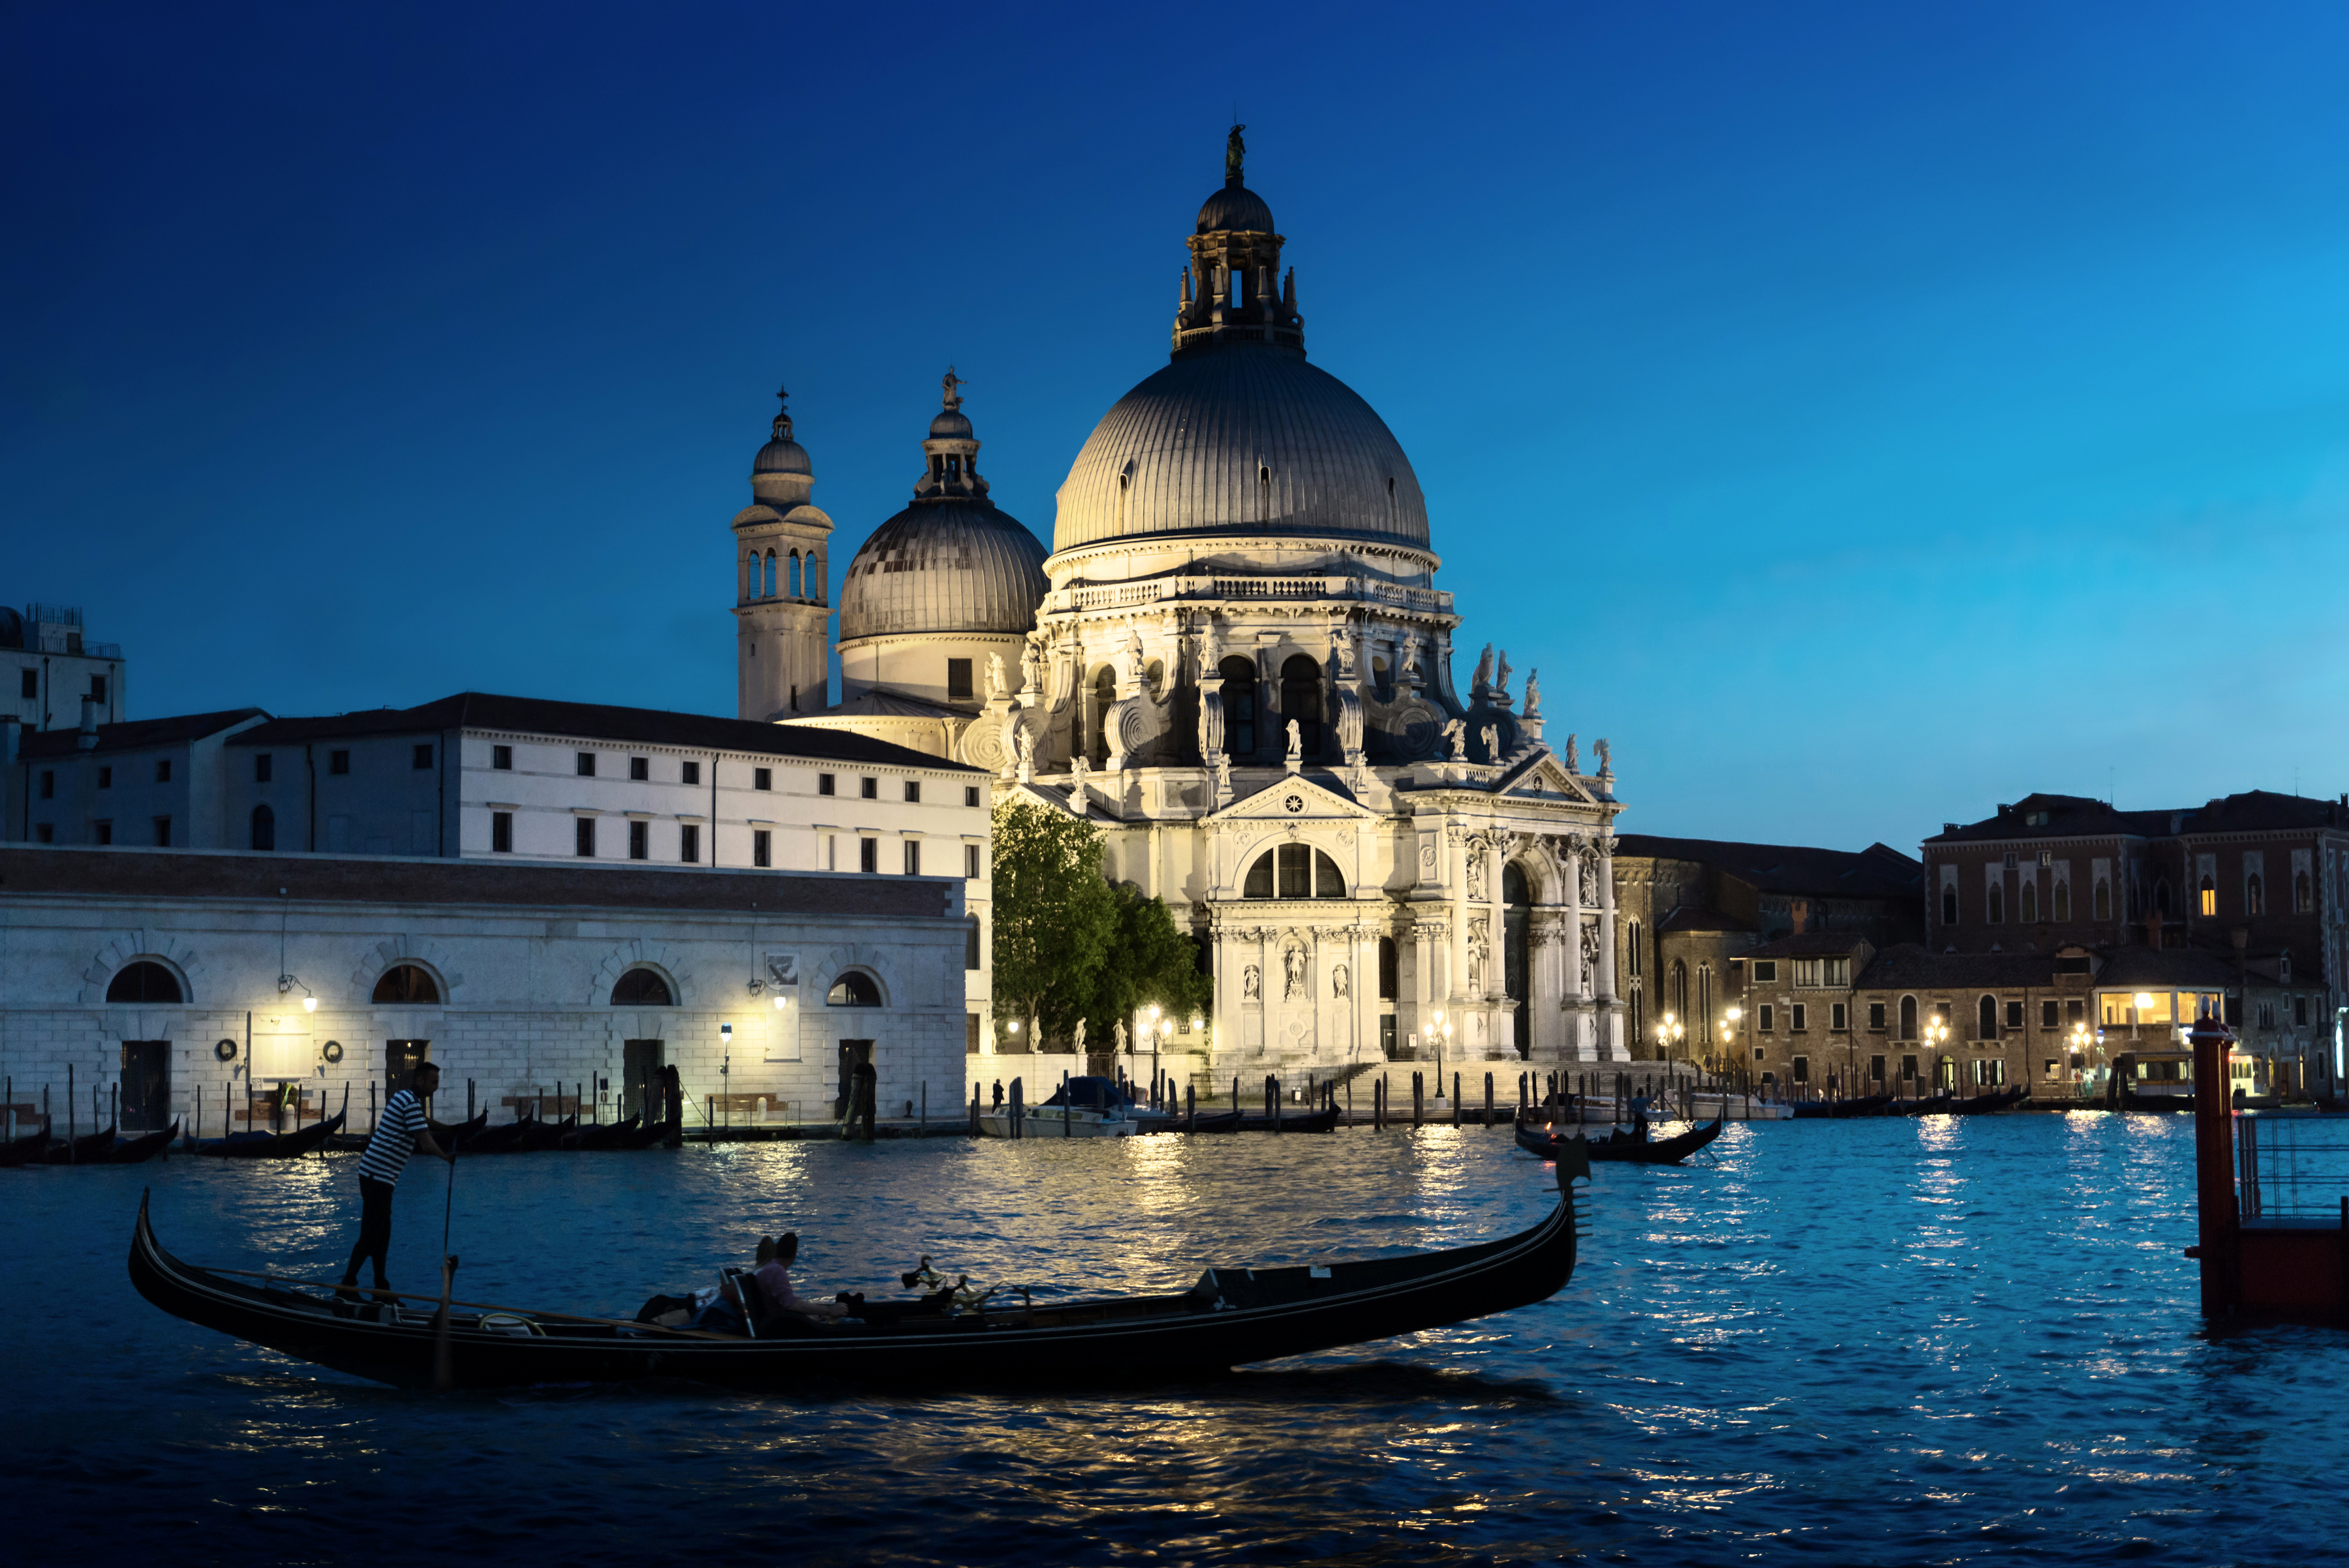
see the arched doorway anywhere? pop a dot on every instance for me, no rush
(1516, 913)
(1300, 700)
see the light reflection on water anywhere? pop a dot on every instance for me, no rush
(1870, 1341)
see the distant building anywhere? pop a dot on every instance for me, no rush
(1689, 911)
(2254, 886)
(47, 667)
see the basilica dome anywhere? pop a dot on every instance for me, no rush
(1244, 439)
(953, 561)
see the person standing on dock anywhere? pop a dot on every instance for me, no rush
(398, 1133)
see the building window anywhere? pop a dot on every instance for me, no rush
(1907, 1069)
(1949, 906)
(501, 833)
(501, 758)
(2300, 1011)
(1389, 968)
(854, 990)
(2062, 902)
(913, 857)
(98, 687)
(1835, 1018)
(45, 832)
(1239, 707)
(101, 832)
(640, 845)
(1767, 1019)
(28, 685)
(762, 778)
(420, 757)
(824, 784)
(260, 769)
(2254, 896)
(1876, 1018)
(970, 795)
(587, 763)
(688, 844)
(106, 778)
(2267, 1016)
(408, 984)
(1631, 950)
(163, 833)
(2031, 901)
(1294, 871)
(762, 848)
(1909, 1020)
(1301, 701)
(643, 988)
(1766, 972)
(2208, 897)
(688, 773)
(970, 942)
(143, 981)
(1801, 1069)
(1997, 911)
(1800, 1022)
(1875, 1069)
(583, 837)
(2303, 896)
(913, 790)
(868, 854)
(2047, 1016)
(49, 784)
(970, 861)
(640, 769)
(958, 679)
(1986, 1019)
(869, 788)
(2014, 1015)
(163, 770)
(265, 828)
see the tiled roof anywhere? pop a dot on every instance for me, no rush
(883, 702)
(1810, 944)
(137, 732)
(1878, 871)
(2077, 817)
(2165, 969)
(598, 721)
(2259, 810)
(1907, 967)
(149, 874)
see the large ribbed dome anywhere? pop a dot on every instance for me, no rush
(944, 566)
(1245, 439)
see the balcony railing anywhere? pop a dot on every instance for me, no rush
(1162, 590)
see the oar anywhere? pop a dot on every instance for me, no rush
(443, 1371)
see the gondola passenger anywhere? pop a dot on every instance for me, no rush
(774, 1280)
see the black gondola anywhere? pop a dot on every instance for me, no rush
(25, 1150)
(604, 1135)
(140, 1149)
(1937, 1105)
(499, 1139)
(1319, 1121)
(267, 1145)
(90, 1148)
(453, 1135)
(1221, 1122)
(544, 1136)
(1622, 1147)
(1985, 1104)
(1231, 1317)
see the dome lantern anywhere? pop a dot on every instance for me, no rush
(782, 476)
(1229, 290)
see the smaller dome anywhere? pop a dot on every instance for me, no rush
(951, 425)
(782, 455)
(1235, 207)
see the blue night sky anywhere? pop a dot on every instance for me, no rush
(1861, 415)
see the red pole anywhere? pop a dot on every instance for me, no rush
(2214, 1167)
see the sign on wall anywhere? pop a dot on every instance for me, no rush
(782, 978)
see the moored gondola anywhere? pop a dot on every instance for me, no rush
(1622, 1148)
(1220, 1122)
(25, 1150)
(1985, 1104)
(140, 1149)
(1229, 1318)
(267, 1145)
(90, 1148)
(503, 1139)
(1865, 1105)
(604, 1135)
(1936, 1106)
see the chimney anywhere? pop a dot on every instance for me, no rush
(1800, 909)
(87, 740)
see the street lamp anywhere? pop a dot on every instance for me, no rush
(1669, 1033)
(1937, 1034)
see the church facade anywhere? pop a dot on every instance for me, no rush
(1236, 660)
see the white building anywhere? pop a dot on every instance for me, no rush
(47, 667)
(1239, 663)
(186, 978)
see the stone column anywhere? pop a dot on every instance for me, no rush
(1570, 957)
(1456, 853)
(1269, 983)
(1604, 982)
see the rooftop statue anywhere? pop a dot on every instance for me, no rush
(1533, 694)
(1235, 153)
(1501, 676)
(953, 384)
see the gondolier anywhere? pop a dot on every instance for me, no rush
(399, 1132)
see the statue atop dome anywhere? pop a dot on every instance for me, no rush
(953, 383)
(1235, 154)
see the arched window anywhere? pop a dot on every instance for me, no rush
(2208, 899)
(1105, 699)
(2062, 899)
(2103, 899)
(792, 582)
(1239, 707)
(1908, 1018)
(407, 983)
(2031, 901)
(2254, 897)
(1949, 906)
(971, 958)
(1381, 680)
(769, 592)
(1300, 703)
(1632, 949)
(1997, 903)
(1517, 910)
(1679, 988)
(1389, 983)
(1294, 871)
(642, 988)
(1986, 1018)
(854, 989)
(2302, 895)
(143, 983)
(265, 828)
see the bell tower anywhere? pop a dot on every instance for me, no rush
(781, 607)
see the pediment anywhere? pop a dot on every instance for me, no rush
(1292, 799)
(1547, 780)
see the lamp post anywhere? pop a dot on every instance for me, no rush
(1937, 1034)
(1729, 1022)
(1669, 1033)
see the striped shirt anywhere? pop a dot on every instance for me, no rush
(394, 1139)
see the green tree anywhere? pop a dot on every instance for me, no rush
(1149, 959)
(1055, 918)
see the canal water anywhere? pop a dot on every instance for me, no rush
(1881, 1341)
